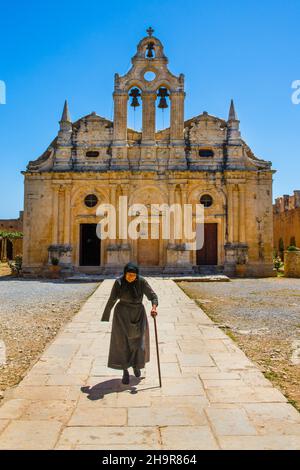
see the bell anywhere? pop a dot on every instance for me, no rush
(162, 103)
(135, 93)
(134, 102)
(150, 49)
(162, 94)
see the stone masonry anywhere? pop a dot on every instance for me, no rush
(198, 160)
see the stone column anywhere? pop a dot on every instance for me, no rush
(120, 117)
(67, 221)
(148, 135)
(183, 202)
(242, 232)
(119, 158)
(235, 206)
(123, 238)
(171, 202)
(230, 213)
(177, 116)
(113, 202)
(65, 253)
(113, 254)
(125, 251)
(55, 195)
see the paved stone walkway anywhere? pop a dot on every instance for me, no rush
(212, 397)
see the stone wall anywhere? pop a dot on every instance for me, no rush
(292, 263)
(286, 222)
(12, 225)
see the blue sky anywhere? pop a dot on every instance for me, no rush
(246, 50)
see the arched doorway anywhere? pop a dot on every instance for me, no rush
(9, 249)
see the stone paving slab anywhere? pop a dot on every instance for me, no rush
(212, 395)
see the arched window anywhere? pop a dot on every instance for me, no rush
(206, 200)
(206, 153)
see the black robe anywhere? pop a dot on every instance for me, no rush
(129, 342)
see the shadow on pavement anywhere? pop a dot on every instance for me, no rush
(98, 391)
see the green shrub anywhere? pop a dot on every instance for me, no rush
(16, 265)
(277, 262)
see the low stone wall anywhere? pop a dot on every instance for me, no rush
(256, 270)
(292, 263)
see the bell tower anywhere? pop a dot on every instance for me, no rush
(149, 78)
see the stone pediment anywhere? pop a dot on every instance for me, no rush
(92, 129)
(92, 118)
(206, 129)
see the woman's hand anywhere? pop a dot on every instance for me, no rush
(153, 311)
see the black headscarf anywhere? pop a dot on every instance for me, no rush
(132, 286)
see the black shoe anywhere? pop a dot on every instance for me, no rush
(137, 372)
(125, 378)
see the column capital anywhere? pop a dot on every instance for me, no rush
(149, 94)
(176, 93)
(120, 93)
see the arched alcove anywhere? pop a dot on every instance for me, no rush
(135, 109)
(162, 110)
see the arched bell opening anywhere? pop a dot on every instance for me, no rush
(134, 109)
(150, 52)
(163, 106)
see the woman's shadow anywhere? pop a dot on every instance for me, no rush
(98, 391)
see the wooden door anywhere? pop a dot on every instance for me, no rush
(148, 250)
(208, 255)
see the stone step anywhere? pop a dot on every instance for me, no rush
(174, 277)
(208, 269)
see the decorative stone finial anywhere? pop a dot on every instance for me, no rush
(232, 113)
(66, 115)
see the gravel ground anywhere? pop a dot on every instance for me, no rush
(263, 317)
(31, 314)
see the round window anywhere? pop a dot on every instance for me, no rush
(206, 200)
(90, 200)
(149, 76)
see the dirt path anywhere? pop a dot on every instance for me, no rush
(31, 314)
(263, 317)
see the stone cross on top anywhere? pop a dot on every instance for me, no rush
(150, 31)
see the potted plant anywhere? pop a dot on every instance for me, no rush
(55, 268)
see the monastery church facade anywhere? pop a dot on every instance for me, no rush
(200, 160)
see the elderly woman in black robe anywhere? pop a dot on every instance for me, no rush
(129, 342)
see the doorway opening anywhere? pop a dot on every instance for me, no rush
(90, 246)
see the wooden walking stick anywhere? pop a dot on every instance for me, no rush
(157, 351)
